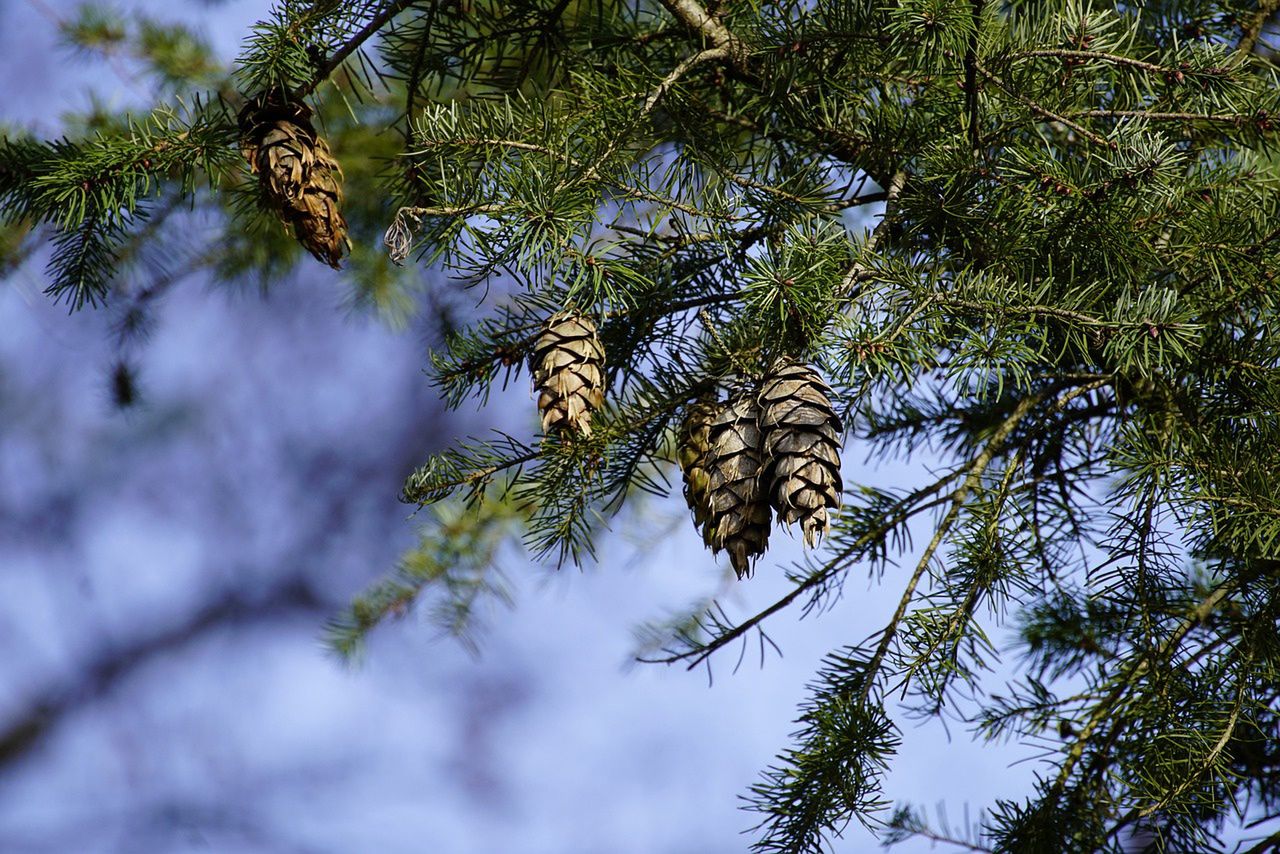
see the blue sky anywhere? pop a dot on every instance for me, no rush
(269, 452)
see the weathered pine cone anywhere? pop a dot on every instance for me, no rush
(568, 373)
(739, 515)
(802, 442)
(300, 180)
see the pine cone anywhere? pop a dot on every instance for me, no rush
(693, 452)
(739, 512)
(300, 179)
(568, 372)
(802, 445)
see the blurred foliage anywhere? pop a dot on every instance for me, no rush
(1067, 299)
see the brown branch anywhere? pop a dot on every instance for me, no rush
(1252, 29)
(1043, 112)
(351, 46)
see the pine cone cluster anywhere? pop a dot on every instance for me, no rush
(300, 179)
(568, 373)
(773, 448)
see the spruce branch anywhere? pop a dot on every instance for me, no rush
(334, 62)
(1251, 31)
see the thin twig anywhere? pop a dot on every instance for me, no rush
(711, 54)
(860, 271)
(1218, 118)
(1042, 111)
(350, 46)
(1098, 55)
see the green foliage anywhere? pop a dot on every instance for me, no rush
(454, 566)
(1066, 303)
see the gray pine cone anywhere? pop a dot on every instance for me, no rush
(568, 373)
(802, 448)
(739, 514)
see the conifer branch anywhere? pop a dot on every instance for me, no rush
(1252, 29)
(972, 477)
(1041, 111)
(334, 62)
(1140, 665)
(711, 54)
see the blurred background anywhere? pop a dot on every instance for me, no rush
(167, 567)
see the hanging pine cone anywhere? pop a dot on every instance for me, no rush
(739, 515)
(693, 452)
(802, 445)
(300, 179)
(568, 372)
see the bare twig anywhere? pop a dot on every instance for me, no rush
(351, 46)
(711, 54)
(860, 271)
